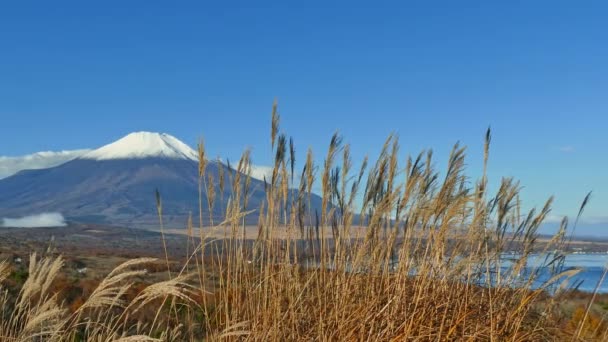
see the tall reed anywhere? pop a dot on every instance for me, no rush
(395, 251)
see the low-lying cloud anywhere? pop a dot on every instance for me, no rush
(41, 160)
(34, 221)
(260, 172)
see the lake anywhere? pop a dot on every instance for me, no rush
(592, 267)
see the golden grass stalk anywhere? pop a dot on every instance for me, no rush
(411, 254)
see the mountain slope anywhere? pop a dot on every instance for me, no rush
(115, 184)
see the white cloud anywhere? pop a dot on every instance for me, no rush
(603, 220)
(33, 221)
(567, 149)
(41, 160)
(259, 172)
(592, 220)
(553, 219)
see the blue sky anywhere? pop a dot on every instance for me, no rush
(78, 75)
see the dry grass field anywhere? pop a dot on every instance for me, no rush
(426, 267)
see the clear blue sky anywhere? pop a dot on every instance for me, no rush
(78, 74)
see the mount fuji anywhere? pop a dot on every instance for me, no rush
(115, 184)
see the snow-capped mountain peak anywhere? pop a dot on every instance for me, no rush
(140, 145)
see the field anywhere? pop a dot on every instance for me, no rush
(426, 265)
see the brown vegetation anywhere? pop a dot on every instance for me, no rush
(428, 266)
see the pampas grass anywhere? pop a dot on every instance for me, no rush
(429, 263)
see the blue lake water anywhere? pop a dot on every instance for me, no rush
(592, 267)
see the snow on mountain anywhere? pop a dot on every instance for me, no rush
(140, 145)
(115, 184)
(41, 160)
(137, 145)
